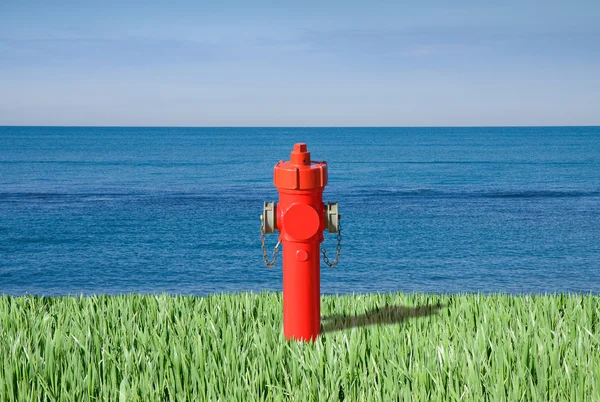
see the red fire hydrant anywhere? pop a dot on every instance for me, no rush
(301, 217)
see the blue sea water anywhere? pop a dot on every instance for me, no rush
(146, 210)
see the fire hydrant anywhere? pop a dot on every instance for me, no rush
(301, 217)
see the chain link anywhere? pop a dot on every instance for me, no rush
(269, 264)
(338, 248)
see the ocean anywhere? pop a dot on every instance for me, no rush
(86, 210)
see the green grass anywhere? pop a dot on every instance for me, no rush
(231, 347)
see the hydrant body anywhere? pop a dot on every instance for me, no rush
(301, 219)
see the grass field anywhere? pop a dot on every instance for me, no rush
(231, 347)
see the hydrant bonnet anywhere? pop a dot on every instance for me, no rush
(300, 173)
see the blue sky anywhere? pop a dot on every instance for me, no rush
(330, 63)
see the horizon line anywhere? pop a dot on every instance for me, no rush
(307, 126)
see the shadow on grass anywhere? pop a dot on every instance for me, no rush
(381, 315)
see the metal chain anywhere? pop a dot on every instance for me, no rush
(338, 248)
(269, 264)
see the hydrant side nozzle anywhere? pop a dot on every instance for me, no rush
(332, 217)
(269, 217)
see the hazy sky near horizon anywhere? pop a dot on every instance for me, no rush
(340, 63)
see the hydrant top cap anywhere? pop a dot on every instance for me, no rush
(300, 173)
(300, 155)
(300, 147)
